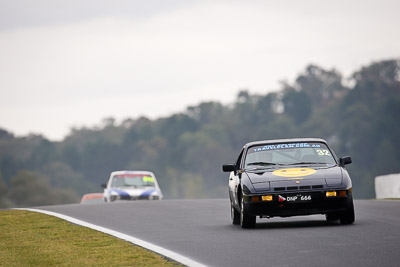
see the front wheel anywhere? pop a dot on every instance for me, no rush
(246, 220)
(235, 216)
(348, 217)
(331, 217)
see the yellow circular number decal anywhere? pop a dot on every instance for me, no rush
(294, 172)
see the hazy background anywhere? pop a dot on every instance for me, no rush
(177, 88)
(71, 63)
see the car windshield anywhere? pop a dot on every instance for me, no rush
(132, 180)
(269, 155)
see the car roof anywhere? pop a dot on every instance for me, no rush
(132, 172)
(290, 140)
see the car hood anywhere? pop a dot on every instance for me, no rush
(327, 176)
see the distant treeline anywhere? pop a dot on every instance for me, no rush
(358, 116)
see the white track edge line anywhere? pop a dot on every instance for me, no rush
(160, 250)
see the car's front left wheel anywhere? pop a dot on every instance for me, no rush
(246, 220)
(331, 217)
(348, 216)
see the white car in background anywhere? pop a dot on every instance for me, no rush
(132, 185)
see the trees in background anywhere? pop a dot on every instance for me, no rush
(186, 150)
(28, 188)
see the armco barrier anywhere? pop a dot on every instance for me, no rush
(387, 186)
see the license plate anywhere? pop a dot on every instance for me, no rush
(298, 198)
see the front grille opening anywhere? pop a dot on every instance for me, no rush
(317, 186)
(305, 187)
(280, 188)
(292, 188)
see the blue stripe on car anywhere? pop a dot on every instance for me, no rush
(119, 192)
(148, 192)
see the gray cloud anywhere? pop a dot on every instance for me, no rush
(15, 14)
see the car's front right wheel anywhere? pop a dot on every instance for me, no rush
(246, 220)
(235, 216)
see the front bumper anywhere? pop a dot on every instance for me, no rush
(319, 204)
(128, 197)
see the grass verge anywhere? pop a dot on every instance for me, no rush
(35, 239)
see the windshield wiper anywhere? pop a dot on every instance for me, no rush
(302, 163)
(262, 163)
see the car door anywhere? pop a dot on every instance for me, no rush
(234, 181)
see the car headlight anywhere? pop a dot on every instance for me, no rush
(114, 197)
(154, 196)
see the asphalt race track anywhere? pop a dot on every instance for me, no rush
(202, 231)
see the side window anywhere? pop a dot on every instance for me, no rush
(239, 159)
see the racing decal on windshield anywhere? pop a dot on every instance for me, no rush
(282, 146)
(131, 175)
(148, 179)
(294, 172)
(323, 152)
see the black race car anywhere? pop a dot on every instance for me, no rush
(289, 177)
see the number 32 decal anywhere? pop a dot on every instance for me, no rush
(323, 152)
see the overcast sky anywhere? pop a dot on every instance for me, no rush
(72, 63)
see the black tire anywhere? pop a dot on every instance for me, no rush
(348, 216)
(331, 217)
(235, 216)
(246, 220)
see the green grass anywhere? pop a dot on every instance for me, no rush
(35, 239)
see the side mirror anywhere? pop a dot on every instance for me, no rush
(345, 160)
(104, 185)
(228, 167)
